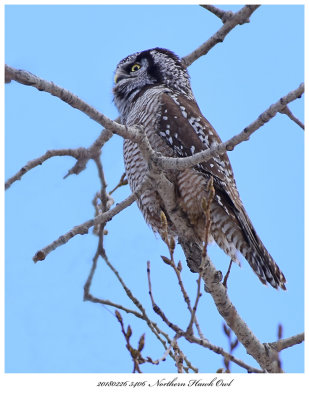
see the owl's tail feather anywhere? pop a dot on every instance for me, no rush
(263, 264)
(251, 247)
(254, 251)
(239, 235)
(258, 257)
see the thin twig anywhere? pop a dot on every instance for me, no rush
(152, 325)
(170, 242)
(93, 299)
(193, 313)
(76, 153)
(168, 350)
(203, 342)
(156, 308)
(227, 274)
(232, 344)
(136, 355)
(219, 350)
(122, 182)
(93, 151)
(289, 113)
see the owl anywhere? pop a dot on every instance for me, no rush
(152, 89)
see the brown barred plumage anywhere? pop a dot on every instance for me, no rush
(152, 89)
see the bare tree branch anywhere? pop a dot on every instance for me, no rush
(122, 182)
(76, 153)
(239, 18)
(152, 325)
(27, 78)
(244, 135)
(194, 309)
(266, 357)
(83, 228)
(228, 311)
(100, 252)
(288, 342)
(94, 151)
(289, 113)
(223, 15)
(219, 350)
(188, 333)
(82, 155)
(136, 134)
(156, 308)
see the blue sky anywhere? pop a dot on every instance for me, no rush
(48, 327)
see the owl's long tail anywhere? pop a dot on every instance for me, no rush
(236, 233)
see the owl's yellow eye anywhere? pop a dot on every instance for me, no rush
(135, 67)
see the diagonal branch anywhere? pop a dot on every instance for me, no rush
(228, 311)
(219, 350)
(27, 78)
(223, 15)
(136, 134)
(79, 154)
(289, 113)
(239, 18)
(94, 151)
(152, 325)
(244, 135)
(264, 355)
(83, 228)
(288, 342)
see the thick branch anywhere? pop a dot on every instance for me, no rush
(188, 333)
(94, 299)
(239, 18)
(264, 356)
(187, 162)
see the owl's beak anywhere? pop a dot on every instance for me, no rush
(120, 75)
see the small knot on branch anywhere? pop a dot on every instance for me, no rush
(229, 147)
(218, 277)
(39, 256)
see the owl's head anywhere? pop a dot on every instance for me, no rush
(148, 68)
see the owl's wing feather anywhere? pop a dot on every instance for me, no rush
(187, 131)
